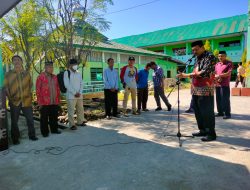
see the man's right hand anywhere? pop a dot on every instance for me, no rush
(2, 113)
(3, 133)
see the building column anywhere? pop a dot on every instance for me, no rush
(119, 67)
(187, 49)
(212, 45)
(165, 49)
(139, 62)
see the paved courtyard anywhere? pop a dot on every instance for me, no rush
(136, 153)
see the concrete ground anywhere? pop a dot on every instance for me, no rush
(135, 153)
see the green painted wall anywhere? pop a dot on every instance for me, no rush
(248, 43)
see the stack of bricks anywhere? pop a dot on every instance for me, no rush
(240, 91)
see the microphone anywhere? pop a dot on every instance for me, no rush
(191, 58)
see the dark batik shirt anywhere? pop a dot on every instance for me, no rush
(203, 85)
(158, 75)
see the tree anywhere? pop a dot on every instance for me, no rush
(21, 32)
(75, 22)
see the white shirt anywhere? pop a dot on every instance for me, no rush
(110, 78)
(74, 84)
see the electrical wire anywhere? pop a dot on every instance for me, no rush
(58, 150)
(129, 8)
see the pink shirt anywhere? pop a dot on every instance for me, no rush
(221, 68)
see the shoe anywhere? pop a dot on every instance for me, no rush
(227, 117)
(108, 117)
(158, 109)
(135, 113)
(169, 107)
(219, 115)
(208, 138)
(62, 127)
(16, 142)
(189, 111)
(199, 134)
(56, 132)
(139, 112)
(45, 135)
(117, 116)
(83, 124)
(125, 114)
(33, 138)
(73, 128)
(145, 110)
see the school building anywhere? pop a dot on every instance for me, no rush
(229, 34)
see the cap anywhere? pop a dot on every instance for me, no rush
(131, 58)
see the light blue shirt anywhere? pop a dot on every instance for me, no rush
(110, 78)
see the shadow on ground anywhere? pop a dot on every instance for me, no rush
(132, 166)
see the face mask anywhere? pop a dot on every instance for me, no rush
(75, 67)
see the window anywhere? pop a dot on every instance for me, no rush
(95, 56)
(96, 74)
(168, 74)
(110, 55)
(229, 44)
(145, 59)
(179, 51)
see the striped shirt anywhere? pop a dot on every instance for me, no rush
(18, 88)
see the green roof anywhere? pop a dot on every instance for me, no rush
(208, 29)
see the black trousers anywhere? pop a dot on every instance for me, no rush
(111, 102)
(28, 114)
(159, 92)
(223, 100)
(240, 79)
(49, 115)
(142, 98)
(204, 113)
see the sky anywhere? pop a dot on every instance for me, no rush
(162, 14)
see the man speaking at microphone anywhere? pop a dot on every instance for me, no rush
(202, 90)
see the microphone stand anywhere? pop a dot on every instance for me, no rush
(179, 135)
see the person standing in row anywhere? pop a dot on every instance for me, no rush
(74, 85)
(129, 78)
(240, 76)
(48, 98)
(223, 70)
(18, 86)
(142, 89)
(111, 89)
(203, 91)
(158, 79)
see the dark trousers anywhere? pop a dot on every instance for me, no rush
(49, 115)
(28, 114)
(204, 113)
(111, 102)
(240, 79)
(191, 106)
(159, 92)
(223, 100)
(142, 98)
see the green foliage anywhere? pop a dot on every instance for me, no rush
(207, 46)
(244, 57)
(21, 32)
(216, 53)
